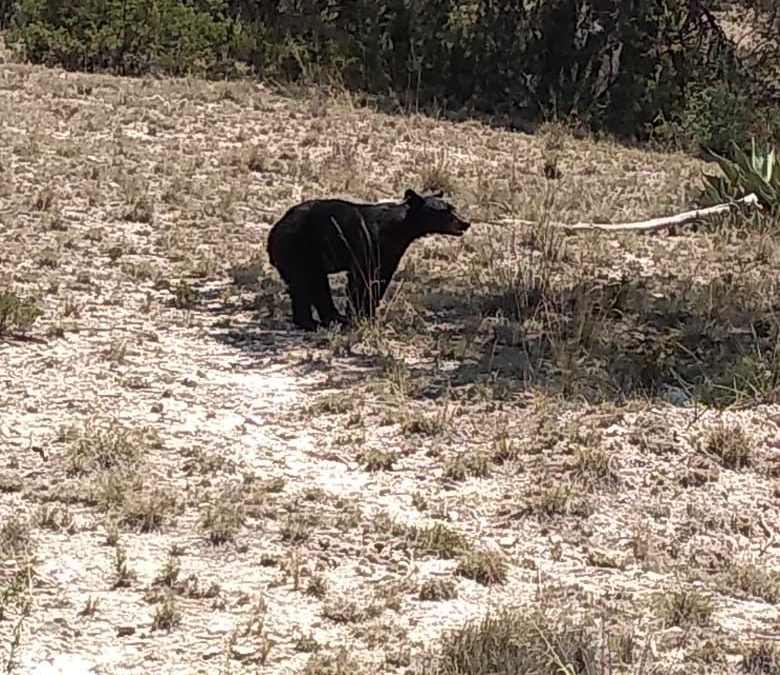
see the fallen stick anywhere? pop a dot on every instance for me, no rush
(652, 225)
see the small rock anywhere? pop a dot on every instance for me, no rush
(508, 541)
(211, 652)
(124, 631)
(220, 626)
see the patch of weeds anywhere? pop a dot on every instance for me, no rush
(15, 589)
(191, 588)
(317, 586)
(55, 518)
(48, 257)
(112, 533)
(503, 449)
(374, 459)
(90, 607)
(222, 520)
(256, 628)
(17, 314)
(43, 200)
(14, 537)
(104, 448)
(141, 211)
(184, 295)
(296, 528)
(123, 575)
(341, 662)
(761, 659)
(332, 404)
(593, 463)
(146, 511)
(348, 609)
(730, 445)
(111, 490)
(685, 608)
(439, 540)
(434, 590)
(166, 615)
(512, 642)
(484, 566)
(169, 572)
(422, 425)
(306, 644)
(466, 464)
(753, 581)
(551, 497)
(349, 515)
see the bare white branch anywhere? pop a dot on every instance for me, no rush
(652, 225)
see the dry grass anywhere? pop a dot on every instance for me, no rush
(531, 414)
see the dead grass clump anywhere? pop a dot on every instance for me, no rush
(484, 566)
(14, 537)
(55, 517)
(141, 210)
(341, 662)
(752, 581)
(556, 497)
(730, 445)
(439, 540)
(512, 642)
(17, 314)
(434, 590)
(464, 465)
(123, 574)
(348, 609)
(417, 424)
(685, 608)
(297, 528)
(332, 404)
(761, 659)
(106, 448)
(374, 459)
(595, 465)
(166, 615)
(146, 511)
(222, 519)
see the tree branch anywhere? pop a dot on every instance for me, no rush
(652, 225)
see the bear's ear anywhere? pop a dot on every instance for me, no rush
(411, 197)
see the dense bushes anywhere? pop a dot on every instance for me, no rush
(636, 68)
(126, 36)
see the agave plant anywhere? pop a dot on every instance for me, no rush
(758, 173)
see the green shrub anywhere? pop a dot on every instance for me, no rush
(126, 36)
(758, 173)
(634, 68)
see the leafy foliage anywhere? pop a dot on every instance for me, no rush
(635, 68)
(126, 36)
(757, 172)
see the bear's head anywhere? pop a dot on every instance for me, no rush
(434, 214)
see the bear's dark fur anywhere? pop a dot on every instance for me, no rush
(323, 236)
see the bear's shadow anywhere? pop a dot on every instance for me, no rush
(642, 343)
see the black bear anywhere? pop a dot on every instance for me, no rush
(323, 236)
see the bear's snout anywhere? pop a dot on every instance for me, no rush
(459, 225)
